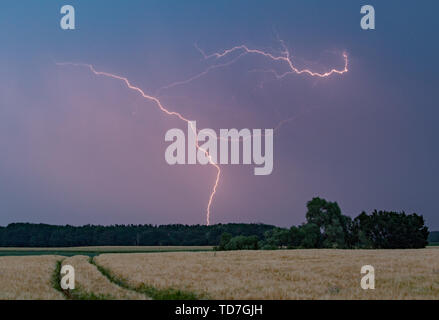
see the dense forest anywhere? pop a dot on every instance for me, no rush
(325, 227)
(433, 237)
(43, 235)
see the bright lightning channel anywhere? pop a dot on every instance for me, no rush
(285, 57)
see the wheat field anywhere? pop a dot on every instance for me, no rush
(28, 278)
(88, 280)
(284, 274)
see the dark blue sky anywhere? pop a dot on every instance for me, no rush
(76, 148)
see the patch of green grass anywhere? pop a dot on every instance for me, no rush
(56, 277)
(150, 291)
(166, 294)
(47, 252)
(79, 294)
(433, 244)
(69, 253)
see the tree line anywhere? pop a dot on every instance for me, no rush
(325, 227)
(44, 235)
(433, 237)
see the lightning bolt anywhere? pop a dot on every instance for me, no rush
(244, 50)
(199, 75)
(285, 57)
(159, 104)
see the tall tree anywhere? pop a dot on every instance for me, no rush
(327, 216)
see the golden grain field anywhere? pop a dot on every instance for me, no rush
(284, 274)
(28, 278)
(88, 280)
